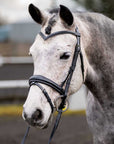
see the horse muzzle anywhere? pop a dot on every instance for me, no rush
(36, 119)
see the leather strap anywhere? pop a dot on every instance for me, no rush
(55, 125)
(59, 33)
(46, 81)
(44, 92)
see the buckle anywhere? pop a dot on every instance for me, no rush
(57, 103)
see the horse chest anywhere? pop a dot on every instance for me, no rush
(101, 124)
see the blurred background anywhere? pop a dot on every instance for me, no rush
(17, 33)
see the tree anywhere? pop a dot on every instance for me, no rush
(103, 6)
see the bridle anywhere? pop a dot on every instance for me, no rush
(39, 79)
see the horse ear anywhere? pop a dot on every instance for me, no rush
(66, 15)
(36, 14)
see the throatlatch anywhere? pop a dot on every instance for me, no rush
(38, 79)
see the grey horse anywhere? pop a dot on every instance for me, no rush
(52, 58)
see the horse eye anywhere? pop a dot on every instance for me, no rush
(65, 56)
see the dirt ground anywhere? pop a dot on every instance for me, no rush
(72, 129)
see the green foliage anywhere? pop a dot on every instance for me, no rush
(103, 6)
(108, 8)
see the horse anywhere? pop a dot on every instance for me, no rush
(52, 59)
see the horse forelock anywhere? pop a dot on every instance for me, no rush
(51, 23)
(51, 20)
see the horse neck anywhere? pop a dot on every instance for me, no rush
(95, 48)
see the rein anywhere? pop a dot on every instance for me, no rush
(38, 79)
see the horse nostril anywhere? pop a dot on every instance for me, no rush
(37, 115)
(25, 115)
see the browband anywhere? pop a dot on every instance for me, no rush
(59, 33)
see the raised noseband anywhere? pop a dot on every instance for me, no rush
(46, 81)
(36, 79)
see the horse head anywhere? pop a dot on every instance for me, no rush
(52, 59)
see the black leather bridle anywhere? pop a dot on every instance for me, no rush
(39, 79)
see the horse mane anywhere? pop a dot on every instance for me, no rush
(54, 11)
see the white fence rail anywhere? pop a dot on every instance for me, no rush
(15, 60)
(13, 84)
